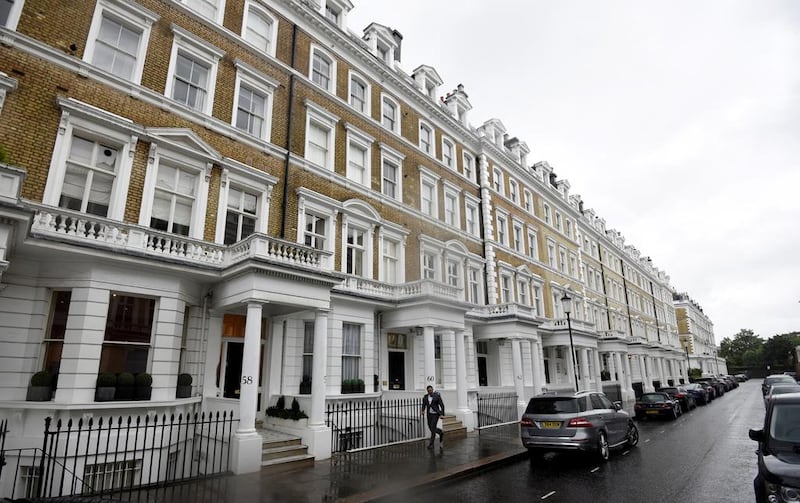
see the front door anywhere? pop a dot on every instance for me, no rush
(483, 376)
(397, 370)
(233, 368)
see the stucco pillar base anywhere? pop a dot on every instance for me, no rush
(246, 452)
(318, 441)
(467, 418)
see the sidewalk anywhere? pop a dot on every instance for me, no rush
(355, 477)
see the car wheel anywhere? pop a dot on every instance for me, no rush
(603, 451)
(675, 413)
(633, 435)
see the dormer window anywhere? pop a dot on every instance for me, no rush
(333, 14)
(383, 54)
(335, 11)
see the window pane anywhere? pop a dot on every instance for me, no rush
(130, 319)
(259, 30)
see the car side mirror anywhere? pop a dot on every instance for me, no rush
(617, 405)
(757, 435)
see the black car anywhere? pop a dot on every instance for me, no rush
(656, 405)
(682, 395)
(778, 478)
(701, 394)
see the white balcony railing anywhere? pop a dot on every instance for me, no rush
(79, 228)
(400, 292)
(503, 310)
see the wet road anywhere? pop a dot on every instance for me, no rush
(703, 456)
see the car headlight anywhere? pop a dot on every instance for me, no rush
(782, 494)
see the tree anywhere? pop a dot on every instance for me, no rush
(779, 350)
(733, 350)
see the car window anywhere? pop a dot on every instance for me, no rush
(785, 423)
(652, 398)
(552, 405)
(597, 403)
(607, 404)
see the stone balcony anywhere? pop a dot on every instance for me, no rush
(495, 311)
(101, 233)
(397, 293)
(561, 324)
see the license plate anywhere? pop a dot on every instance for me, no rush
(652, 412)
(549, 424)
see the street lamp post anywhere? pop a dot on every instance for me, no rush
(688, 362)
(566, 305)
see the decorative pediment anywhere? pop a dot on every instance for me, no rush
(183, 139)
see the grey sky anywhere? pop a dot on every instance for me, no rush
(677, 121)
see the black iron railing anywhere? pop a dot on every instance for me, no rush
(372, 423)
(112, 456)
(495, 409)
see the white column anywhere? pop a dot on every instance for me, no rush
(246, 442)
(540, 358)
(585, 367)
(612, 366)
(536, 367)
(628, 378)
(573, 367)
(430, 354)
(519, 387)
(320, 372)
(248, 395)
(461, 375)
(598, 380)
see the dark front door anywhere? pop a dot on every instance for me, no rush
(483, 378)
(397, 370)
(233, 369)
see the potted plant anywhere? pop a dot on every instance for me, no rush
(347, 386)
(184, 389)
(41, 387)
(125, 386)
(143, 386)
(305, 386)
(605, 375)
(358, 386)
(106, 387)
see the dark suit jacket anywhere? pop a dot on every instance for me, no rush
(436, 406)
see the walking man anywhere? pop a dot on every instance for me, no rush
(433, 406)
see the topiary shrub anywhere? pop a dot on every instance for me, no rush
(42, 378)
(184, 379)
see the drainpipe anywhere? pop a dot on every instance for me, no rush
(655, 310)
(288, 136)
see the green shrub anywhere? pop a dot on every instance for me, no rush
(106, 380)
(125, 379)
(184, 379)
(295, 406)
(143, 380)
(281, 403)
(42, 378)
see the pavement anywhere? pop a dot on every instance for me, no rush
(380, 474)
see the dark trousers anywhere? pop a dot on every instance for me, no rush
(432, 420)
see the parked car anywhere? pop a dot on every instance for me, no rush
(731, 380)
(780, 389)
(585, 421)
(778, 476)
(700, 392)
(655, 405)
(719, 388)
(683, 397)
(740, 377)
(773, 379)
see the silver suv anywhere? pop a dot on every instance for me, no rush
(585, 421)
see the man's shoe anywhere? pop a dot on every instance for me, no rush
(430, 446)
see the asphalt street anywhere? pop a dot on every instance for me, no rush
(703, 456)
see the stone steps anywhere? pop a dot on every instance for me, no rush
(281, 453)
(453, 428)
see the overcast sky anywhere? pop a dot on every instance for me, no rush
(677, 121)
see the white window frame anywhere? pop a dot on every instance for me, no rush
(397, 115)
(537, 301)
(471, 214)
(250, 180)
(14, 14)
(428, 180)
(552, 260)
(527, 200)
(517, 236)
(361, 216)
(497, 181)
(501, 227)
(189, 44)
(562, 260)
(396, 235)
(453, 272)
(513, 190)
(533, 244)
(326, 120)
(259, 84)
(200, 166)
(394, 157)
(474, 291)
(452, 215)
(367, 92)
(447, 142)
(219, 9)
(435, 251)
(129, 15)
(86, 120)
(522, 292)
(313, 52)
(546, 209)
(321, 206)
(505, 287)
(431, 149)
(568, 227)
(363, 141)
(558, 221)
(252, 8)
(468, 165)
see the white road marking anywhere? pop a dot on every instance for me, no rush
(625, 453)
(548, 495)
(662, 431)
(647, 440)
(594, 469)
